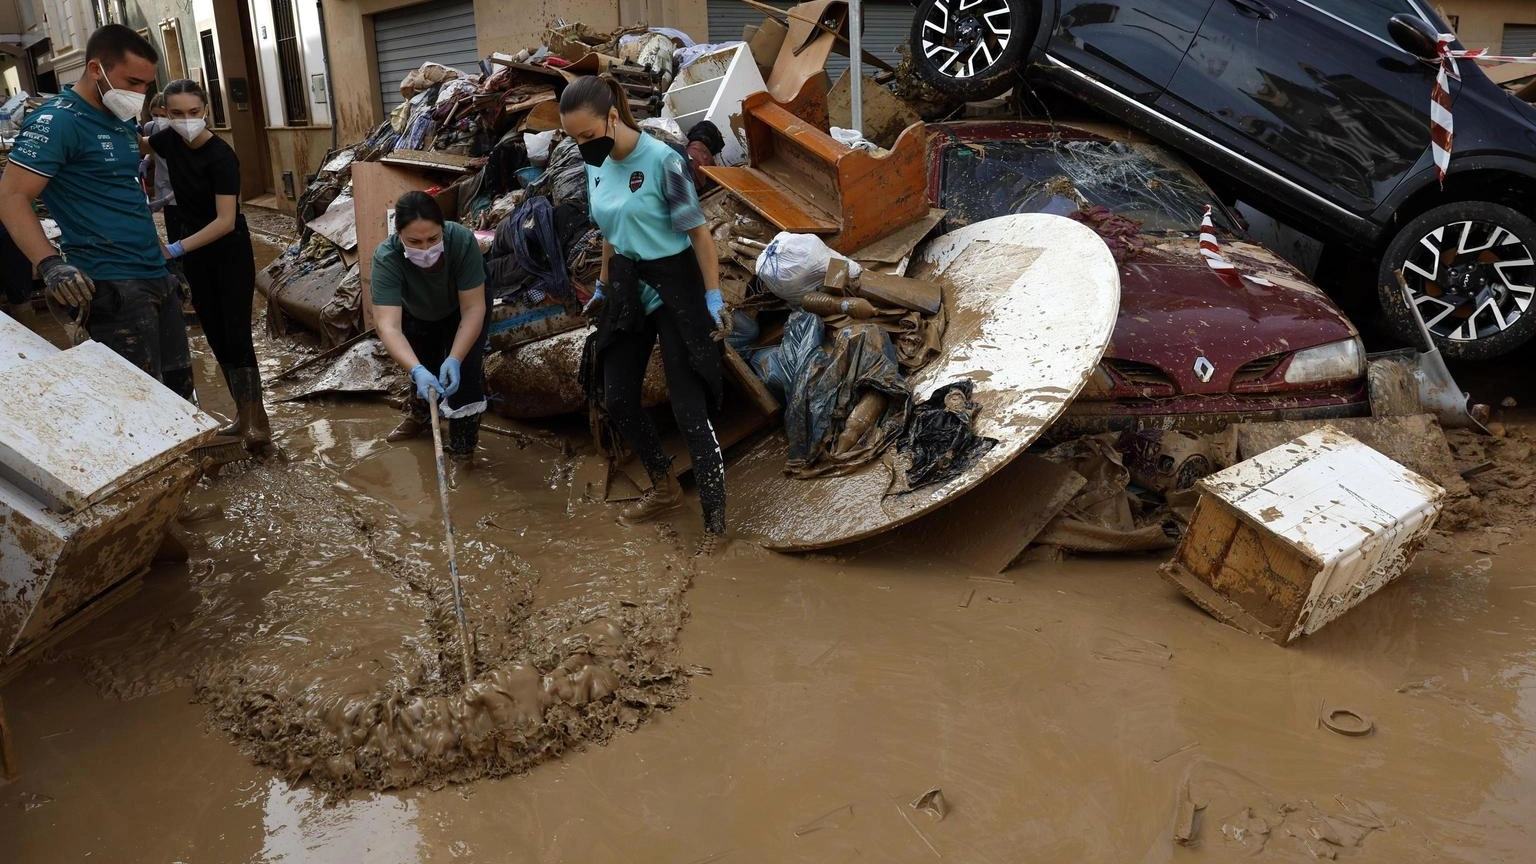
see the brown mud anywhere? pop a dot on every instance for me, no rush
(1070, 711)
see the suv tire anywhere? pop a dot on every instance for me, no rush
(972, 49)
(1479, 255)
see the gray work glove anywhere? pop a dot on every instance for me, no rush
(65, 283)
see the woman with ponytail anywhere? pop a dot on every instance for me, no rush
(660, 281)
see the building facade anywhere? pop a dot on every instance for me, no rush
(1503, 26)
(23, 40)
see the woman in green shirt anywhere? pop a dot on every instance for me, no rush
(660, 283)
(430, 311)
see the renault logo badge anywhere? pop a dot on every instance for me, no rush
(1204, 369)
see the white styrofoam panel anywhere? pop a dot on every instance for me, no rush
(78, 424)
(18, 344)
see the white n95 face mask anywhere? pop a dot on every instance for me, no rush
(425, 258)
(124, 104)
(189, 129)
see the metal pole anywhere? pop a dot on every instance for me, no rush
(855, 64)
(453, 562)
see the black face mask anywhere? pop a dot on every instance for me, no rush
(595, 152)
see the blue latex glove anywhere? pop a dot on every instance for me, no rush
(425, 381)
(448, 377)
(597, 297)
(175, 249)
(716, 304)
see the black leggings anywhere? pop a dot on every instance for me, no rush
(223, 279)
(624, 365)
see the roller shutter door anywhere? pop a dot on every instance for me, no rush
(886, 27)
(441, 31)
(1519, 40)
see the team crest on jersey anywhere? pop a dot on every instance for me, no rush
(636, 180)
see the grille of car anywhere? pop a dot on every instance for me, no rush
(1142, 376)
(1256, 370)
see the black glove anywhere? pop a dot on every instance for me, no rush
(65, 283)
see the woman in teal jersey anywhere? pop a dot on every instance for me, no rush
(660, 281)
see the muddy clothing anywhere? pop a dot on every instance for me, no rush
(222, 274)
(141, 320)
(429, 295)
(621, 349)
(432, 341)
(91, 160)
(623, 370)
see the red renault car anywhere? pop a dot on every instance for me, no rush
(1193, 349)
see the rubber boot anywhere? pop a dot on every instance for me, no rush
(663, 496)
(414, 425)
(235, 429)
(251, 414)
(463, 439)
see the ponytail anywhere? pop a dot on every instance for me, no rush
(598, 94)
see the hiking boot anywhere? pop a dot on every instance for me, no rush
(410, 427)
(663, 496)
(711, 545)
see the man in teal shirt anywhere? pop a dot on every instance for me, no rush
(79, 154)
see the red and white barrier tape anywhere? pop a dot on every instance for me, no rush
(1442, 125)
(1211, 249)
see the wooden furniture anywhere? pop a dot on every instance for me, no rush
(802, 180)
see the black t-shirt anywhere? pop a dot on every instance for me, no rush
(197, 175)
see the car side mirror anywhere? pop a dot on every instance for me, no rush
(1414, 36)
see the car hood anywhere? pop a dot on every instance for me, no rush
(1174, 310)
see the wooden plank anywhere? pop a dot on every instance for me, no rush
(375, 188)
(781, 207)
(751, 385)
(897, 245)
(917, 294)
(431, 160)
(988, 527)
(8, 765)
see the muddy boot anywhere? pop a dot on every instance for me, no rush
(413, 426)
(663, 496)
(463, 438)
(235, 429)
(245, 383)
(711, 544)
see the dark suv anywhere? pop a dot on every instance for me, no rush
(1317, 112)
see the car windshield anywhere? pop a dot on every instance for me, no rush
(986, 179)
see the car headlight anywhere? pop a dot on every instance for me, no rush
(1332, 362)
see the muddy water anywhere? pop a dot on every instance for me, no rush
(1065, 711)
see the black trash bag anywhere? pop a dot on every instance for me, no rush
(940, 442)
(781, 364)
(846, 405)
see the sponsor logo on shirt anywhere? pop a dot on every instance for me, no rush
(636, 180)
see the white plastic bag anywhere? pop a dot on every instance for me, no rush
(852, 138)
(537, 144)
(794, 265)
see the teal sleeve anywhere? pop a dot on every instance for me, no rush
(46, 141)
(386, 278)
(682, 196)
